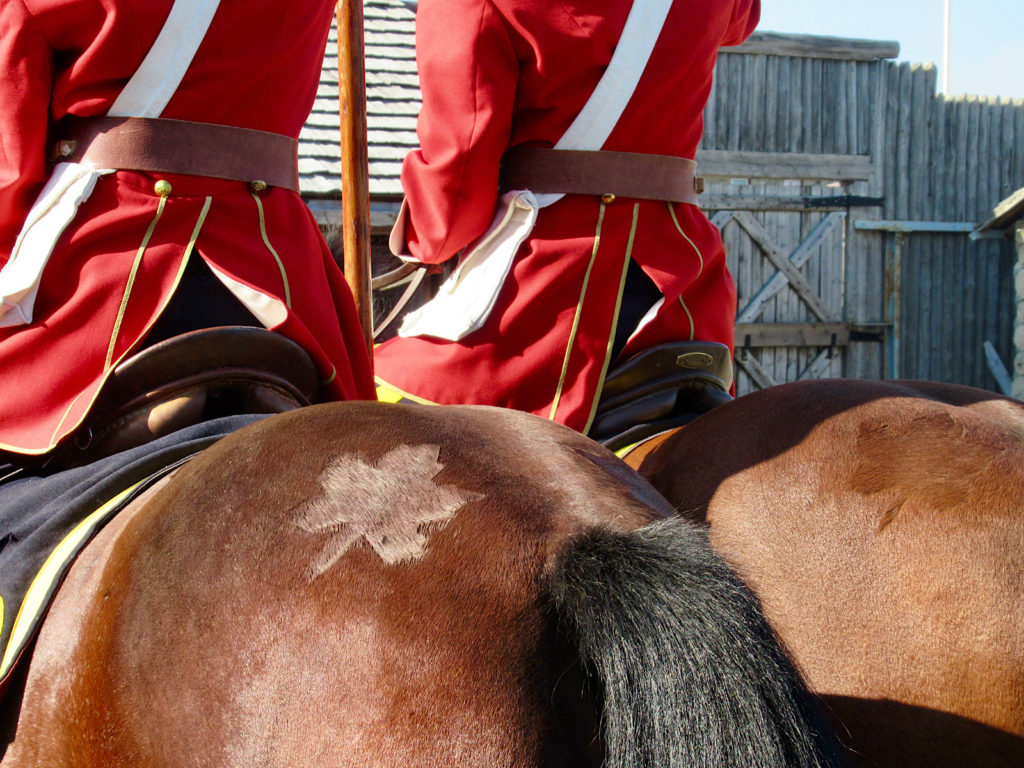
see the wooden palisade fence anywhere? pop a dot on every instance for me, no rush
(830, 153)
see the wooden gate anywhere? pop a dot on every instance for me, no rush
(785, 228)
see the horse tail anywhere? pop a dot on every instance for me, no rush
(689, 671)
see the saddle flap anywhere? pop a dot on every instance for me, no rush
(641, 410)
(661, 388)
(668, 366)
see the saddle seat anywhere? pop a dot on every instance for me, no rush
(188, 379)
(659, 389)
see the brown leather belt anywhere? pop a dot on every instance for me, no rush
(625, 174)
(159, 145)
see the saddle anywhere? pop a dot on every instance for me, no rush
(188, 379)
(659, 389)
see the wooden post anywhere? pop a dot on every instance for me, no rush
(893, 303)
(355, 174)
(1017, 387)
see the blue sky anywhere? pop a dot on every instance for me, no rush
(987, 50)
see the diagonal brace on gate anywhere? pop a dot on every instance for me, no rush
(798, 258)
(788, 266)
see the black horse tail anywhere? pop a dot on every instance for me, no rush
(689, 671)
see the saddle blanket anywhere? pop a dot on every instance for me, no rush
(46, 521)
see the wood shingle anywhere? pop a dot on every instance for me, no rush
(392, 104)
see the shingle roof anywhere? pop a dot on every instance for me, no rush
(1005, 214)
(392, 103)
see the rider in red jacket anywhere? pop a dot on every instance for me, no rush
(140, 236)
(503, 74)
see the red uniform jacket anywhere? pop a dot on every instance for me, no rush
(258, 67)
(496, 74)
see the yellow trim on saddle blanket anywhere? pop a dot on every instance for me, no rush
(625, 450)
(35, 601)
(46, 582)
(386, 393)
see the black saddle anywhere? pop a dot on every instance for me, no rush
(659, 389)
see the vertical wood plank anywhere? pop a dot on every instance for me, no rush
(771, 103)
(786, 105)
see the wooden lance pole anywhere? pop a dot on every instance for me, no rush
(355, 173)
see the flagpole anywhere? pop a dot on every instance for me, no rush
(355, 174)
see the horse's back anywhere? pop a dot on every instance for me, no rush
(882, 525)
(294, 596)
(360, 584)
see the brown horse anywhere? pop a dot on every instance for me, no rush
(359, 584)
(882, 526)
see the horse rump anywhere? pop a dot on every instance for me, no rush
(689, 671)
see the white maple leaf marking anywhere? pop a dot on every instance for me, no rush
(389, 504)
